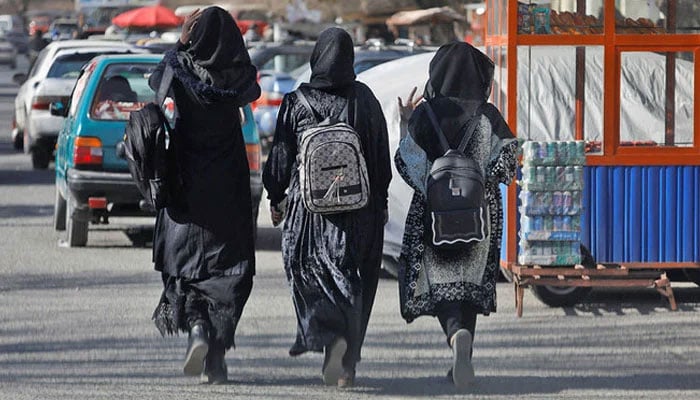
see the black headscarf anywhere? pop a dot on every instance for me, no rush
(214, 65)
(216, 42)
(459, 70)
(332, 61)
(459, 82)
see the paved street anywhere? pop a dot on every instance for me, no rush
(75, 324)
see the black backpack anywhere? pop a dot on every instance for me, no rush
(145, 147)
(456, 214)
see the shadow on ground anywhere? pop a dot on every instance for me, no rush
(27, 177)
(269, 239)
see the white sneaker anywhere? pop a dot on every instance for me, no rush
(462, 369)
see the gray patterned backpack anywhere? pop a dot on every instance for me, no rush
(332, 170)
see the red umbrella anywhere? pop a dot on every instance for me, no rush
(148, 17)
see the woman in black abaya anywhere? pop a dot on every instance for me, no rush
(454, 286)
(203, 243)
(332, 261)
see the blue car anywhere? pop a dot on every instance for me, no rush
(93, 182)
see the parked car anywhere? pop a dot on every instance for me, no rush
(275, 62)
(93, 182)
(155, 45)
(64, 29)
(10, 22)
(8, 53)
(51, 78)
(369, 56)
(19, 39)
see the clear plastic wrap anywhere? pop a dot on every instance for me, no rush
(551, 203)
(554, 153)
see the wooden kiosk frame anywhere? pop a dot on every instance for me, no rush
(504, 36)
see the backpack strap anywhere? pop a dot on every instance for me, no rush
(344, 115)
(305, 102)
(470, 129)
(433, 119)
(165, 82)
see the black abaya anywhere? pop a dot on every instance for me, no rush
(203, 242)
(332, 262)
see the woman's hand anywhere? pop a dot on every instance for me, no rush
(276, 216)
(277, 212)
(406, 110)
(187, 26)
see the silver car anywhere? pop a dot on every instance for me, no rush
(51, 79)
(8, 52)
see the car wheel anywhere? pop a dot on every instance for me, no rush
(506, 274)
(76, 224)
(26, 141)
(693, 275)
(563, 296)
(560, 296)
(41, 156)
(59, 212)
(18, 141)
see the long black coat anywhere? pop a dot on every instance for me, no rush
(208, 230)
(331, 261)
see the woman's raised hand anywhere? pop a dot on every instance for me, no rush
(406, 110)
(187, 26)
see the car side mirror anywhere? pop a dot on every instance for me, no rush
(19, 78)
(57, 109)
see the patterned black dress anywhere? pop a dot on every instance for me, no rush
(428, 277)
(332, 261)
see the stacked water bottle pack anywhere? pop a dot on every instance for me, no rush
(551, 203)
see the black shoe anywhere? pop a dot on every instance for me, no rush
(347, 378)
(197, 349)
(215, 369)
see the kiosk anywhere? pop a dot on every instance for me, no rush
(621, 79)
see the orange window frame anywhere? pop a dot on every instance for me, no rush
(668, 154)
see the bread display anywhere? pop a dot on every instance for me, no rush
(540, 19)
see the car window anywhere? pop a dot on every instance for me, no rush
(37, 63)
(123, 88)
(286, 62)
(79, 88)
(69, 66)
(363, 66)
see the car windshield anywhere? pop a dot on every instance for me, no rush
(69, 66)
(285, 62)
(65, 28)
(123, 88)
